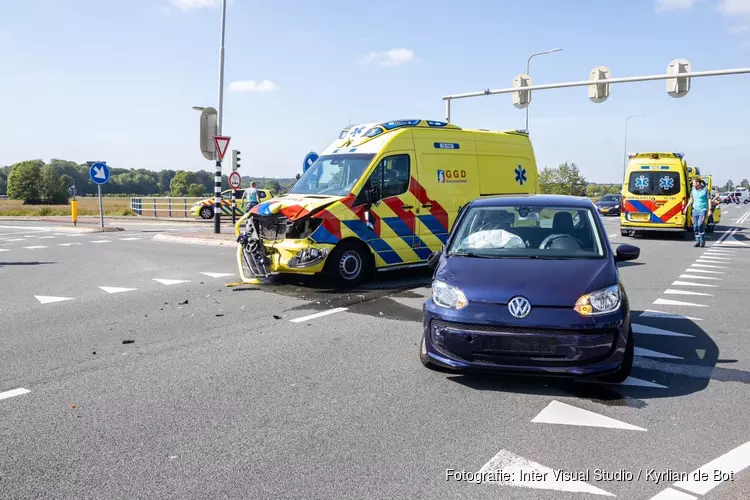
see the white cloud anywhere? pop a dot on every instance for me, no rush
(253, 86)
(194, 4)
(669, 5)
(730, 7)
(393, 57)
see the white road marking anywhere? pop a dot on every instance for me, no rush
(685, 292)
(564, 414)
(170, 282)
(34, 247)
(114, 289)
(519, 470)
(648, 353)
(611, 235)
(101, 241)
(650, 313)
(721, 251)
(725, 212)
(218, 275)
(670, 494)
(129, 239)
(711, 266)
(14, 393)
(68, 244)
(16, 239)
(630, 381)
(650, 330)
(46, 237)
(707, 271)
(318, 315)
(4, 249)
(715, 257)
(47, 299)
(668, 302)
(690, 276)
(727, 465)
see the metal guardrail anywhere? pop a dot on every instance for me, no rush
(163, 206)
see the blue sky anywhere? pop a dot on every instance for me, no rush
(115, 79)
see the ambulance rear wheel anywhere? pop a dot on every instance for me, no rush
(349, 264)
(207, 213)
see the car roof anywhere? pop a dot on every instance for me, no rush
(533, 200)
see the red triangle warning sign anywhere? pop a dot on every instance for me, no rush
(222, 143)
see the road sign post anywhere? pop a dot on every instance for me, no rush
(99, 174)
(311, 158)
(221, 143)
(235, 181)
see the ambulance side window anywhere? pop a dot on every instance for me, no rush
(390, 177)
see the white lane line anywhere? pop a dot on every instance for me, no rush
(725, 212)
(670, 494)
(668, 302)
(217, 275)
(710, 266)
(129, 239)
(648, 353)
(565, 414)
(509, 469)
(686, 292)
(4, 249)
(650, 330)
(690, 276)
(46, 237)
(650, 313)
(707, 271)
(318, 315)
(68, 244)
(14, 393)
(101, 241)
(47, 299)
(16, 239)
(689, 283)
(114, 289)
(611, 235)
(35, 247)
(717, 471)
(170, 282)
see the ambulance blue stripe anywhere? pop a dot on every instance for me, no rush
(367, 235)
(435, 227)
(404, 232)
(642, 208)
(323, 235)
(263, 209)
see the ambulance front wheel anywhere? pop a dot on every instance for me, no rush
(207, 213)
(349, 264)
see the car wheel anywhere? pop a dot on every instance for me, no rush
(349, 264)
(207, 213)
(627, 364)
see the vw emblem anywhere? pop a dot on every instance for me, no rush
(519, 307)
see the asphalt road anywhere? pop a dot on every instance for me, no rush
(294, 390)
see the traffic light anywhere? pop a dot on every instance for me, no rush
(235, 160)
(600, 91)
(521, 98)
(678, 87)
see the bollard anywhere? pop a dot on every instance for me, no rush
(234, 205)
(169, 200)
(186, 210)
(154, 206)
(74, 212)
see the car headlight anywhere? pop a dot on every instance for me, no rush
(448, 296)
(617, 206)
(602, 301)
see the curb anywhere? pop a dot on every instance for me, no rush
(194, 241)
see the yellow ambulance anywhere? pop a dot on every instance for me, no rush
(382, 196)
(654, 193)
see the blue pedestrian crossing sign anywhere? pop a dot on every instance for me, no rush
(99, 173)
(309, 160)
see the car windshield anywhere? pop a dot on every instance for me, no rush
(546, 232)
(332, 175)
(610, 197)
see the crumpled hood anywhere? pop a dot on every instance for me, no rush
(294, 206)
(546, 283)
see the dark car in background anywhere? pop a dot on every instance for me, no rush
(543, 299)
(609, 204)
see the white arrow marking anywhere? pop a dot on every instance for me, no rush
(648, 353)
(515, 466)
(564, 414)
(13, 393)
(99, 173)
(670, 494)
(650, 330)
(218, 275)
(650, 313)
(171, 282)
(728, 464)
(114, 289)
(668, 302)
(46, 299)
(686, 292)
(688, 283)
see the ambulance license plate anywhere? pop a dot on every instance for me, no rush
(639, 217)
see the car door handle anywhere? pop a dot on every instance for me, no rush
(407, 207)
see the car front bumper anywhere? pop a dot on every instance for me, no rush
(550, 341)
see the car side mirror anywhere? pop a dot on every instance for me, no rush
(434, 259)
(627, 252)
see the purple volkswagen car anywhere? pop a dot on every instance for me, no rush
(529, 284)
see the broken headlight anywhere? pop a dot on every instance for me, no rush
(301, 229)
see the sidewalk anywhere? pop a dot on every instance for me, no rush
(200, 238)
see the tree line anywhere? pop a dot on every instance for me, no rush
(35, 181)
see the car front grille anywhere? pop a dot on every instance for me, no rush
(496, 329)
(273, 227)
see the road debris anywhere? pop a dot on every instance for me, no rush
(128, 341)
(183, 303)
(276, 316)
(219, 315)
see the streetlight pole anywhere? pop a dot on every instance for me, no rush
(220, 119)
(625, 153)
(528, 68)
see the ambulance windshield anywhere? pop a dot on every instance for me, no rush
(332, 175)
